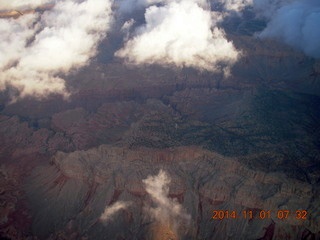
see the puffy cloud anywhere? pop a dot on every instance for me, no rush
(180, 33)
(166, 210)
(14, 35)
(38, 48)
(113, 209)
(296, 24)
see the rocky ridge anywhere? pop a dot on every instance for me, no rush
(104, 175)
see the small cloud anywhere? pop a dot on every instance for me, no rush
(166, 210)
(110, 211)
(127, 25)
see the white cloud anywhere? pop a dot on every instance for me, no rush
(180, 33)
(38, 48)
(127, 25)
(14, 35)
(125, 29)
(166, 210)
(112, 210)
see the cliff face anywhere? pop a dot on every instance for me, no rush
(79, 185)
(245, 149)
(248, 143)
(226, 149)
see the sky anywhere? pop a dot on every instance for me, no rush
(37, 49)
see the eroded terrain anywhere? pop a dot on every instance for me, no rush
(247, 142)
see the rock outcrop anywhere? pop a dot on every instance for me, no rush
(83, 182)
(248, 143)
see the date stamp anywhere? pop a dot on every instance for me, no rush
(259, 214)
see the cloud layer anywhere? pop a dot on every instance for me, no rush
(36, 49)
(180, 33)
(166, 210)
(294, 22)
(297, 24)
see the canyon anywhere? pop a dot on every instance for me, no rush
(246, 143)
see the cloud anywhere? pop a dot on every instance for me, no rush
(109, 211)
(235, 5)
(39, 48)
(180, 33)
(125, 29)
(127, 6)
(297, 24)
(166, 210)
(267, 8)
(19, 4)
(127, 25)
(290, 21)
